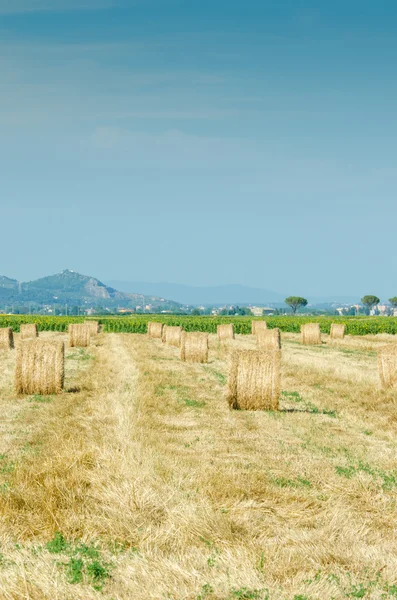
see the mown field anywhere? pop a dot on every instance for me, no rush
(242, 325)
(138, 482)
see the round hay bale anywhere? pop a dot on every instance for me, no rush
(268, 339)
(79, 335)
(225, 332)
(254, 380)
(6, 338)
(194, 347)
(387, 365)
(155, 330)
(29, 330)
(172, 335)
(258, 325)
(337, 331)
(40, 367)
(93, 326)
(311, 334)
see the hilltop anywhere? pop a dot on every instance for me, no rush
(73, 288)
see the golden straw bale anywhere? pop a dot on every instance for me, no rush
(311, 334)
(254, 380)
(225, 332)
(258, 325)
(172, 335)
(268, 339)
(79, 335)
(155, 329)
(40, 367)
(194, 347)
(93, 327)
(387, 365)
(6, 338)
(337, 331)
(29, 330)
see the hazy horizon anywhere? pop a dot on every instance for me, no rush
(170, 290)
(203, 143)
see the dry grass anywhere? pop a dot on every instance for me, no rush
(6, 338)
(387, 363)
(258, 325)
(79, 335)
(40, 367)
(152, 480)
(155, 329)
(311, 334)
(269, 339)
(194, 347)
(254, 380)
(29, 330)
(225, 332)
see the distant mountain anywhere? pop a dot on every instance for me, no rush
(8, 289)
(7, 283)
(73, 288)
(208, 295)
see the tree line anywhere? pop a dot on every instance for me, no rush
(369, 301)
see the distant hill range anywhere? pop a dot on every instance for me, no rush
(208, 295)
(75, 289)
(221, 295)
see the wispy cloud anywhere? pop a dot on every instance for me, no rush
(9, 7)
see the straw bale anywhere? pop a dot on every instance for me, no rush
(268, 339)
(194, 347)
(337, 331)
(387, 365)
(172, 335)
(155, 329)
(258, 325)
(311, 334)
(79, 335)
(6, 338)
(225, 332)
(40, 367)
(29, 330)
(93, 327)
(254, 380)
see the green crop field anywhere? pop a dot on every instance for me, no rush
(138, 323)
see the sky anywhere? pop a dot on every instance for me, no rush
(201, 142)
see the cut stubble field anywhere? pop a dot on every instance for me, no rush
(138, 482)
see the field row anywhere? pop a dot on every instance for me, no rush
(242, 325)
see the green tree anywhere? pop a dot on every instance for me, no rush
(393, 301)
(370, 301)
(295, 302)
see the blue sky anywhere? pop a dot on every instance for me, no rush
(201, 142)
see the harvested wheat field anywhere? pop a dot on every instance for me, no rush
(139, 482)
